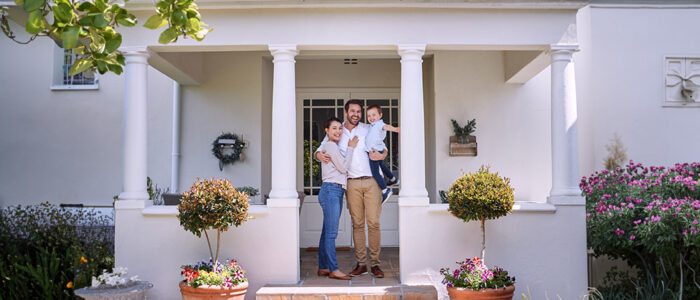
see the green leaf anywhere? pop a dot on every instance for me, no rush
(117, 69)
(179, 17)
(98, 42)
(113, 43)
(101, 5)
(193, 13)
(31, 5)
(101, 67)
(155, 22)
(86, 21)
(127, 20)
(193, 24)
(36, 22)
(86, 6)
(201, 34)
(121, 59)
(100, 21)
(63, 12)
(168, 36)
(70, 36)
(80, 66)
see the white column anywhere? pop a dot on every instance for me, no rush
(565, 176)
(134, 126)
(412, 141)
(283, 161)
(175, 160)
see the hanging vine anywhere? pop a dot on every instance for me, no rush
(88, 27)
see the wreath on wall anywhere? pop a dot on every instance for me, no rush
(227, 148)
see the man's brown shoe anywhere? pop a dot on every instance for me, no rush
(359, 270)
(377, 272)
(323, 273)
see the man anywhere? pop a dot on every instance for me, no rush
(363, 194)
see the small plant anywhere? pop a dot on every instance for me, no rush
(115, 279)
(251, 191)
(463, 132)
(212, 204)
(473, 274)
(480, 196)
(226, 274)
(617, 154)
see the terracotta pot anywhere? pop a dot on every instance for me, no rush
(208, 292)
(491, 294)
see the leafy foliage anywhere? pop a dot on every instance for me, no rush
(46, 252)
(212, 204)
(648, 216)
(463, 131)
(480, 196)
(311, 168)
(89, 27)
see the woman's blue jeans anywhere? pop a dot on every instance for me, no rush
(331, 199)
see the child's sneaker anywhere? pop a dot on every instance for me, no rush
(385, 195)
(393, 181)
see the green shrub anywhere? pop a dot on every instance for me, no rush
(480, 196)
(46, 251)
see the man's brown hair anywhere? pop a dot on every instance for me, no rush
(353, 101)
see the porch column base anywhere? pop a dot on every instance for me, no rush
(567, 200)
(132, 204)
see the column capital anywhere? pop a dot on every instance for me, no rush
(283, 52)
(411, 50)
(136, 55)
(559, 52)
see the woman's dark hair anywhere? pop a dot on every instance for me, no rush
(327, 123)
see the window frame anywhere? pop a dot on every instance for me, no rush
(57, 81)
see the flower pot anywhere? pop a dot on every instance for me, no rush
(209, 292)
(132, 292)
(491, 294)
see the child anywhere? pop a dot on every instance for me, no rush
(375, 140)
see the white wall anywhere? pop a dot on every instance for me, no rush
(545, 251)
(153, 245)
(622, 86)
(65, 146)
(512, 122)
(230, 100)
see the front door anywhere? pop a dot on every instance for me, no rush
(313, 108)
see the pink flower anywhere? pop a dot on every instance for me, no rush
(632, 237)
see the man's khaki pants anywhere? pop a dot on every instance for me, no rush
(365, 202)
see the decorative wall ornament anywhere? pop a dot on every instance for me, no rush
(682, 81)
(228, 148)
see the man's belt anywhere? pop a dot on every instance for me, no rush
(362, 177)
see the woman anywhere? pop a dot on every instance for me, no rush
(330, 197)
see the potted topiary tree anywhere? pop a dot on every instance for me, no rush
(213, 204)
(479, 196)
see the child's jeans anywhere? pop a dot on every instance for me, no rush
(374, 166)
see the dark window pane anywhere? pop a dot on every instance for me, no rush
(307, 102)
(339, 114)
(339, 102)
(394, 102)
(307, 191)
(323, 102)
(315, 191)
(395, 121)
(307, 115)
(380, 102)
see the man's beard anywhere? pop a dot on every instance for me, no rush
(354, 121)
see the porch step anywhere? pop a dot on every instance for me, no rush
(401, 292)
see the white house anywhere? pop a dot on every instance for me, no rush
(549, 83)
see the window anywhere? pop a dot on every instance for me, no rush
(318, 110)
(64, 60)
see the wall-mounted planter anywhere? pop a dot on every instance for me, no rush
(171, 199)
(461, 147)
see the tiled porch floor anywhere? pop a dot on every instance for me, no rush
(364, 287)
(389, 258)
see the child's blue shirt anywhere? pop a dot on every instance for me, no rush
(375, 136)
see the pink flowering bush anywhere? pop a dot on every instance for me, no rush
(473, 274)
(649, 217)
